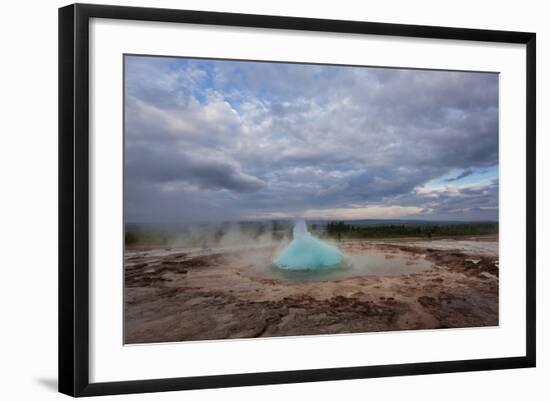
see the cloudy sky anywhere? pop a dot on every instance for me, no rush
(211, 140)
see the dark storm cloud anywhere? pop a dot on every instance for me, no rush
(260, 139)
(464, 174)
(171, 167)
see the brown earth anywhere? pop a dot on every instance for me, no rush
(173, 295)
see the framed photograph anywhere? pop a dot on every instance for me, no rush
(251, 199)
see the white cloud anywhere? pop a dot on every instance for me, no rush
(296, 137)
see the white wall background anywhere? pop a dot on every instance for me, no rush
(28, 205)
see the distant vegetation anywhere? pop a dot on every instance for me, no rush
(135, 237)
(230, 234)
(340, 229)
(226, 234)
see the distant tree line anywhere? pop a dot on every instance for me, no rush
(339, 229)
(136, 235)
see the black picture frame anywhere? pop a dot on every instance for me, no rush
(74, 200)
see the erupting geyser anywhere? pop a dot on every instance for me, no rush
(306, 252)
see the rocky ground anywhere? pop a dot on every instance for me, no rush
(181, 295)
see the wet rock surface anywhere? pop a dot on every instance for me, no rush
(183, 296)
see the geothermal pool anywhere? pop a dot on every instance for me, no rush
(259, 262)
(308, 258)
(372, 261)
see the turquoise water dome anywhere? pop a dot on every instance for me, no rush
(306, 252)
